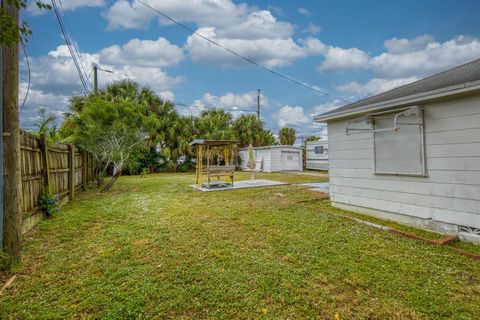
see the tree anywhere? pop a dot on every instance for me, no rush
(215, 124)
(249, 129)
(12, 32)
(111, 130)
(178, 137)
(46, 124)
(312, 138)
(287, 136)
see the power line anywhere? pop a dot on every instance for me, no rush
(81, 64)
(211, 107)
(29, 76)
(69, 45)
(281, 75)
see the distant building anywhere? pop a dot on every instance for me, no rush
(412, 154)
(317, 155)
(274, 158)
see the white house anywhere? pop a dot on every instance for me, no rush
(274, 158)
(412, 154)
(317, 155)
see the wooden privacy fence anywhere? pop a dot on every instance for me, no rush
(63, 168)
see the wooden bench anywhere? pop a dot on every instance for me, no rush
(218, 171)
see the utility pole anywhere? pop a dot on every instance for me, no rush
(95, 79)
(258, 104)
(12, 186)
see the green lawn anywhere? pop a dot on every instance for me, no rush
(154, 248)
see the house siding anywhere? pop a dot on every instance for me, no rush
(272, 157)
(316, 161)
(451, 191)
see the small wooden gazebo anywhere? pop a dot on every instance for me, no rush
(207, 150)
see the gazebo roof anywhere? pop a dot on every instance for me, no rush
(213, 142)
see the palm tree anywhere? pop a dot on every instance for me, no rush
(46, 124)
(249, 130)
(215, 124)
(287, 136)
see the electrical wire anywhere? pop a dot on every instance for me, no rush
(29, 77)
(69, 45)
(251, 61)
(211, 107)
(81, 65)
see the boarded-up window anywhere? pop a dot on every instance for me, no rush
(399, 145)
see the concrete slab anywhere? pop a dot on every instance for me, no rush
(221, 186)
(318, 186)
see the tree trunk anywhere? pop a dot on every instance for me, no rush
(12, 192)
(112, 181)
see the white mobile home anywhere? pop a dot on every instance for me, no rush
(412, 154)
(274, 158)
(317, 155)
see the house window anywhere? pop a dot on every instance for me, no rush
(319, 149)
(399, 146)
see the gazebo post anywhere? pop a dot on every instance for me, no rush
(199, 166)
(227, 159)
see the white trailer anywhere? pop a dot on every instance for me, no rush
(317, 155)
(274, 158)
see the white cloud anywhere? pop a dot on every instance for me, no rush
(236, 103)
(291, 115)
(258, 25)
(167, 95)
(243, 101)
(304, 11)
(406, 61)
(145, 53)
(55, 103)
(54, 77)
(56, 72)
(132, 14)
(270, 52)
(422, 57)
(339, 59)
(373, 86)
(398, 46)
(312, 28)
(325, 107)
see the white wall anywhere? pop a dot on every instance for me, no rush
(317, 161)
(272, 159)
(451, 192)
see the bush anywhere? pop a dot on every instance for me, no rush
(48, 203)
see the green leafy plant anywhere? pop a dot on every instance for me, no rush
(48, 203)
(144, 173)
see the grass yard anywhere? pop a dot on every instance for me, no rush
(154, 248)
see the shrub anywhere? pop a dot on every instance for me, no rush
(48, 203)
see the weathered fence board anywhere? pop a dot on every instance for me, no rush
(50, 165)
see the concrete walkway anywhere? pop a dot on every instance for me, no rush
(318, 186)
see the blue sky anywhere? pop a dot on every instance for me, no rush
(350, 49)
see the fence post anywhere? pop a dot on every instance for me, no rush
(85, 171)
(45, 164)
(71, 171)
